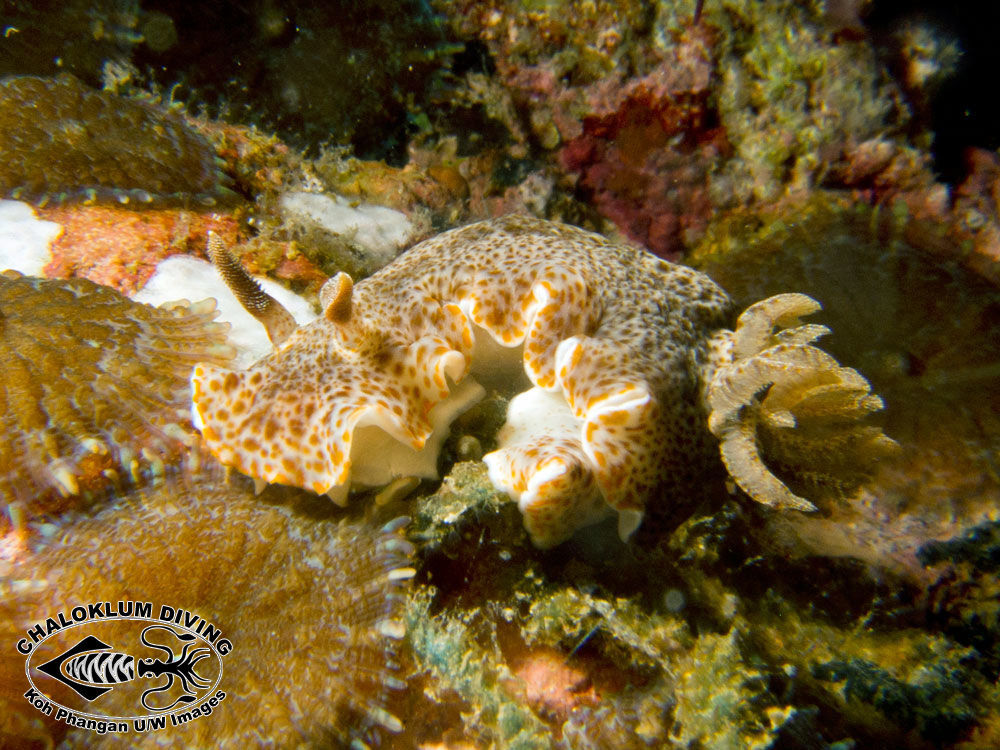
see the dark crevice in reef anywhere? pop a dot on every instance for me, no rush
(314, 73)
(961, 114)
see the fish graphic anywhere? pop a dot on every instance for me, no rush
(91, 668)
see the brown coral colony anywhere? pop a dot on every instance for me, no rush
(311, 606)
(62, 141)
(95, 386)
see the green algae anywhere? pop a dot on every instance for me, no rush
(467, 510)
(791, 94)
(938, 707)
(489, 598)
(910, 677)
(626, 633)
(719, 697)
(729, 644)
(967, 606)
(980, 547)
(461, 654)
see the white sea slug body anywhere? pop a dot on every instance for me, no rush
(618, 347)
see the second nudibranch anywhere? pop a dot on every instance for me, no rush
(631, 376)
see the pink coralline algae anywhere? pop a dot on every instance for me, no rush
(642, 148)
(656, 196)
(118, 247)
(620, 103)
(977, 210)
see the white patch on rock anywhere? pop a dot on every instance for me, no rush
(379, 231)
(186, 277)
(24, 238)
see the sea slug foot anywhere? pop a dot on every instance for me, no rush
(541, 464)
(567, 471)
(773, 394)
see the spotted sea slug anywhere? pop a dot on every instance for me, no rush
(95, 386)
(60, 140)
(631, 368)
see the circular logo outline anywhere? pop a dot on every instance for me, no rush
(209, 692)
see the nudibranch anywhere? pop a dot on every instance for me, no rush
(95, 386)
(627, 357)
